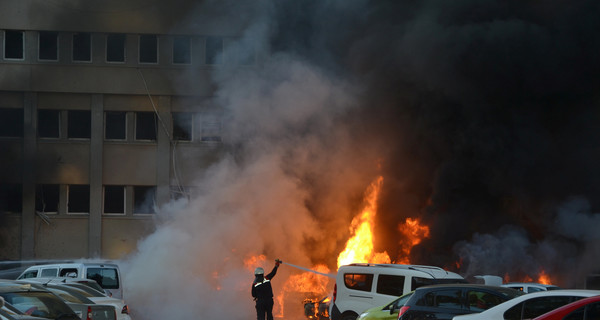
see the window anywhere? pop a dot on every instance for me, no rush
(114, 199)
(48, 123)
(532, 308)
(211, 131)
(589, 312)
(115, 125)
(182, 50)
(214, 50)
(144, 199)
(107, 278)
(182, 126)
(11, 122)
(79, 124)
(47, 198)
(29, 274)
(48, 46)
(358, 281)
(481, 300)
(391, 285)
(82, 47)
(53, 272)
(148, 49)
(78, 199)
(11, 197)
(145, 126)
(444, 299)
(115, 48)
(14, 45)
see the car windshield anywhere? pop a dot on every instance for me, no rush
(37, 303)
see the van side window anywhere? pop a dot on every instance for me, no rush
(391, 285)
(107, 278)
(358, 281)
(52, 272)
(29, 274)
(69, 272)
(417, 282)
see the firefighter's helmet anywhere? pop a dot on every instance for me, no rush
(259, 270)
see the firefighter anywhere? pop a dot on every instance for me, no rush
(263, 292)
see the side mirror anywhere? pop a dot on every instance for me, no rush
(394, 309)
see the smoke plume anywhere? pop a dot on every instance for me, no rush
(480, 115)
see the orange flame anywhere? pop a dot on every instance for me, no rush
(359, 247)
(543, 278)
(413, 233)
(251, 262)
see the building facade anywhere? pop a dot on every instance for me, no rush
(106, 113)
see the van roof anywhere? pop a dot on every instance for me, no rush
(75, 264)
(434, 272)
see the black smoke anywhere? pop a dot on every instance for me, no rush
(485, 114)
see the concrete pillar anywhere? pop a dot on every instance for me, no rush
(29, 154)
(163, 151)
(96, 192)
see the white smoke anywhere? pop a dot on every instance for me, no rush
(282, 127)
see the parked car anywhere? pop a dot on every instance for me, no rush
(529, 287)
(531, 305)
(386, 312)
(442, 302)
(361, 286)
(32, 300)
(83, 307)
(317, 309)
(583, 309)
(7, 312)
(107, 275)
(85, 287)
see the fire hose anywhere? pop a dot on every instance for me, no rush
(306, 269)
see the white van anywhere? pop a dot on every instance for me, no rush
(361, 286)
(107, 275)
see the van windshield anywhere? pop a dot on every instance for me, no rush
(107, 278)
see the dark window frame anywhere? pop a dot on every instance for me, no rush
(79, 124)
(144, 199)
(78, 197)
(214, 47)
(43, 43)
(12, 122)
(47, 194)
(9, 48)
(183, 126)
(109, 205)
(115, 125)
(144, 56)
(11, 197)
(146, 129)
(47, 128)
(120, 41)
(82, 48)
(182, 50)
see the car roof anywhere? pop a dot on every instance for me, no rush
(434, 272)
(508, 304)
(528, 284)
(568, 308)
(16, 286)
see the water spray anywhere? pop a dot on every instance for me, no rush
(330, 275)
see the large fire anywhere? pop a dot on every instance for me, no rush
(359, 247)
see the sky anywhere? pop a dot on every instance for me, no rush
(481, 117)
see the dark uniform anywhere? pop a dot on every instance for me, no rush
(263, 294)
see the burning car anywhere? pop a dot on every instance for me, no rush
(317, 309)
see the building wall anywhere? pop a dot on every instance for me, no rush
(29, 162)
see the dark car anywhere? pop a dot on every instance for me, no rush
(446, 301)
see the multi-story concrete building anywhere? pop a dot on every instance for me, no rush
(105, 113)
